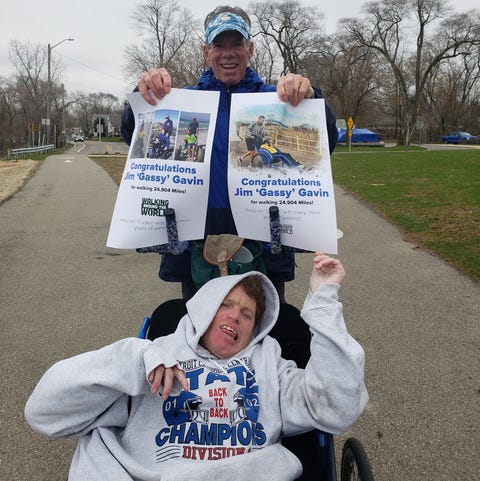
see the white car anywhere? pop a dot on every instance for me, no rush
(78, 137)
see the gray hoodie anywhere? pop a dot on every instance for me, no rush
(229, 423)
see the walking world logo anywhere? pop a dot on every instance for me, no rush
(153, 207)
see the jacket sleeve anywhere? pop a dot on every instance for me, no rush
(127, 122)
(127, 125)
(330, 393)
(331, 121)
(91, 390)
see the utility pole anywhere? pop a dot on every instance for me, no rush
(49, 83)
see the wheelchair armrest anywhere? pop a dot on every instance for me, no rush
(142, 332)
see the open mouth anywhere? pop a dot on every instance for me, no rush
(229, 66)
(229, 331)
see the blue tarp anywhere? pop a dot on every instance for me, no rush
(359, 135)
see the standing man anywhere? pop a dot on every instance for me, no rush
(168, 126)
(227, 50)
(254, 135)
(194, 126)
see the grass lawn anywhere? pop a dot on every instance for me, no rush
(433, 196)
(113, 165)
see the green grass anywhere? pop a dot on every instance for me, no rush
(113, 165)
(433, 196)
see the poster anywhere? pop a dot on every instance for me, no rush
(289, 168)
(168, 166)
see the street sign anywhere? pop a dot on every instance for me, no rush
(350, 126)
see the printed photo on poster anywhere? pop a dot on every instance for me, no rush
(279, 155)
(168, 166)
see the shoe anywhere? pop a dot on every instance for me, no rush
(240, 161)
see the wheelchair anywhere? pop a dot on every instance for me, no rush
(159, 151)
(315, 449)
(279, 159)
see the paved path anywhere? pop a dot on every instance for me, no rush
(417, 319)
(64, 292)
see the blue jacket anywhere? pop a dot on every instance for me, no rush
(219, 215)
(164, 140)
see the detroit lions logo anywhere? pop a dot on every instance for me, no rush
(184, 408)
(248, 402)
(248, 405)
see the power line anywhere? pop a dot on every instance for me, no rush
(91, 68)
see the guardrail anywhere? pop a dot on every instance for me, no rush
(19, 153)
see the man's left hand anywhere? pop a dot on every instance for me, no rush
(293, 88)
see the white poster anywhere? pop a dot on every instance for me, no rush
(168, 166)
(289, 167)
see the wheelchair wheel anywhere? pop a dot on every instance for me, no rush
(355, 464)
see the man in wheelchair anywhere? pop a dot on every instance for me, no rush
(161, 146)
(277, 155)
(213, 399)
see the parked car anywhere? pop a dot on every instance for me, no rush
(460, 138)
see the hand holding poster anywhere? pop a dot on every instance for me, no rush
(168, 166)
(279, 156)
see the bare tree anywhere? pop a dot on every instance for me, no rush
(86, 105)
(168, 37)
(399, 31)
(9, 114)
(30, 63)
(452, 94)
(264, 59)
(296, 31)
(348, 76)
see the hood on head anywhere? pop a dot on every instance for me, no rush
(203, 306)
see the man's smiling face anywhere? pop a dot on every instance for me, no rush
(229, 56)
(231, 329)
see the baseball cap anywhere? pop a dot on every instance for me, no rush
(223, 22)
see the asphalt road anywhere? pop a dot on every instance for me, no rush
(64, 292)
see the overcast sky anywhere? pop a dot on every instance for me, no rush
(102, 28)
